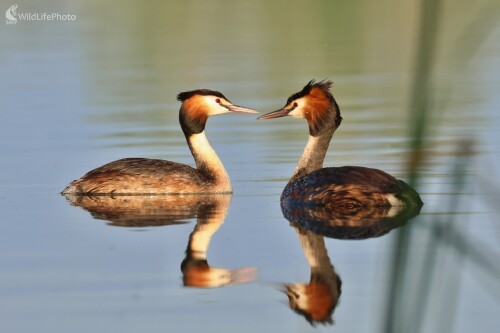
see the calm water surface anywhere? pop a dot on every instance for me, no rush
(78, 94)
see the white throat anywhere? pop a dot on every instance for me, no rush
(207, 160)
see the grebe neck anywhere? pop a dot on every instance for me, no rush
(200, 238)
(314, 154)
(316, 253)
(207, 160)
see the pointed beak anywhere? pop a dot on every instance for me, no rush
(241, 109)
(275, 114)
(288, 290)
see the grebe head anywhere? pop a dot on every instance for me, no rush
(316, 300)
(315, 103)
(198, 105)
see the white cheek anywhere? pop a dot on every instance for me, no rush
(214, 108)
(296, 113)
(303, 298)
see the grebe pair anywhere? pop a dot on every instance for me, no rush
(348, 185)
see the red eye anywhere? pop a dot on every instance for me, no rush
(217, 100)
(295, 104)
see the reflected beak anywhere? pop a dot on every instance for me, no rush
(288, 290)
(241, 109)
(275, 114)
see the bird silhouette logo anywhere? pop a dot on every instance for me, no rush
(11, 14)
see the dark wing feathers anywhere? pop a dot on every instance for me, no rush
(372, 180)
(141, 166)
(139, 175)
(350, 186)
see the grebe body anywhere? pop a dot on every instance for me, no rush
(351, 186)
(154, 176)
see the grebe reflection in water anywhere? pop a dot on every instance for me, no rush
(142, 211)
(317, 299)
(196, 271)
(350, 186)
(345, 222)
(153, 176)
(210, 210)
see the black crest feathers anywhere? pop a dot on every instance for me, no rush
(324, 85)
(181, 97)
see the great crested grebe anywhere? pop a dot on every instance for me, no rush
(351, 186)
(153, 176)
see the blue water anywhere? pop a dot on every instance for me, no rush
(76, 95)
